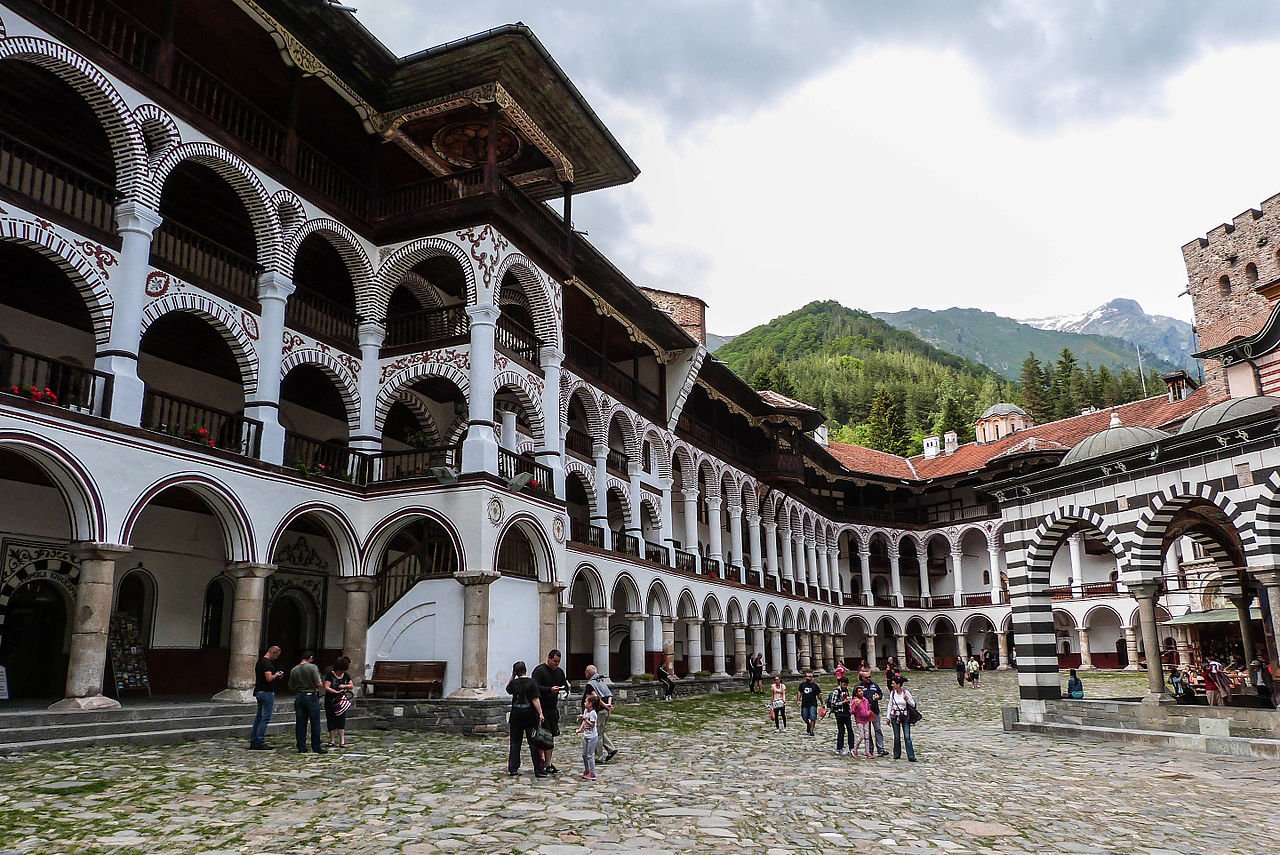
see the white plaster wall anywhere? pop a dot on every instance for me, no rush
(426, 624)
(513, 628)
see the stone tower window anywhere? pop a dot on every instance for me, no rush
(1251, 273)
(1224, 284)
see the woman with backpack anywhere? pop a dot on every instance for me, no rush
(902, 709)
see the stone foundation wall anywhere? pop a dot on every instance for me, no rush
(1195, 719)
(488, 717)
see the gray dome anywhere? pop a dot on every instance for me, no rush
(1118, 437)
(1229, 410)
(1002, 410)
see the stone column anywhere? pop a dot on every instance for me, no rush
(775, 650)
(1184, 646)
(480, 447)
(922, 561)
(864, 556)
(902, 650)
(370, 336)
(771, 551)
(549, 451)
(735, 541)
(1075, 543)
(690, 497)
(636, 621)
(993, 552)
(1145, 593)
(1086, 656)
(1269, 579)
(788, 570)
(961, 650)
(957, 574)
(757, 639)
(90, 622)
(789, 638)
(1131, 647)
(600, 640)
(562, 626)
(928, 647)
(355, 627)
(895, 578)
(715, 548)
(273, 292)
(246, 630)
(693, 644)
(669, 644)
(136, 223)
(475, 629)
(717, 650)
(753, 538)
(837, 648)
(829, 651)
(1242, 602)
(740, 650)
(871, 652)
(1002, 644)
(802, 651)
(548, 617)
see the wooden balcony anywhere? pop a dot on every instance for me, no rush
(402, 465)
(319, 459)
(579, 442)
(511, 465)
(586, 534)
(426, 330)
(322, 318)
(584, 360)
(201, 425)
(513, 339)
(56, 189)
(53, 381)
(189, 255)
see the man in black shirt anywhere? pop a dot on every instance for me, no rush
(810, 694)
(551, 681)
(264, 681)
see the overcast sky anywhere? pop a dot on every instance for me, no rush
(1029, 158)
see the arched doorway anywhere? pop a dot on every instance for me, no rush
(292, 624)
(136, 598)
(34, 648)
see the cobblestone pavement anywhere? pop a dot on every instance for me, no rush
(703, 774)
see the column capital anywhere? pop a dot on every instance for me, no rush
(483, 314)
(753, 519)
(1076, 538)
(357, 584)
(694, 621)
(864, 554)
(716, 623)
(784, 530)
(690, 494)
(600, 613)
(87, 550)
(467, 578)
(635, 616)
(663, 483)
(550, 356)
(241, 569)
(713, 503)
(273, 285)
(371, 334)
(551, 587)
(135, 217)
(734, 509)
(1145, 590)
(1268, 577)
(957, 552)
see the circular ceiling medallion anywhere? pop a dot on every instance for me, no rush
(467, 143)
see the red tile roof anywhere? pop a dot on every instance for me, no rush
(777, 400)
(1157, 412)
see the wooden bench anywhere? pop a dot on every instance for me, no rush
(409, 677)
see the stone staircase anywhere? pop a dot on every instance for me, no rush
(145, 723)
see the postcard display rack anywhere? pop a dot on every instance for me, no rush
(126, 654)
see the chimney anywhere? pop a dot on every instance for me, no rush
(1115, 421)
(821, 436)
(950, 441)
(931, 447)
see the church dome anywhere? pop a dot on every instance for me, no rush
(1002, 410)
(1115, 438)
(1229, 410)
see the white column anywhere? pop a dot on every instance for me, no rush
(475, 632)
(370, 335)
(668, 536)
(693, 644)
(715, 547)
(636, 621)
(895, 576)
(802, 569)
(246, 630)
(775, 650)
(690, 495)
(669, 645)
(757, 640)
(273, 292)
(864, 556)
(1131, 647)
(993, 552)
(637, 525)
(739, 650)
(136, 223)
(957, 574)
(1002, 644)
(820, 559)
(922, 561)
(1074, 544)
(811, 562)
(902, 650)
(1086, 656)
(480, 447)
(753, 538)
(788, 571)
(551, 451)
(600, 514)
(600, 640)
(717, 649)
(871, 652)
(833, 555)
(789, 639)
(507, 436)
(735, 540)
(928, 646)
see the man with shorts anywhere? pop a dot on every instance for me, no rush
(810, 695)
(551, 681)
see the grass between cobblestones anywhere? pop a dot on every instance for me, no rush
(697, 774)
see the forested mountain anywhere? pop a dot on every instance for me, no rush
(841, 360)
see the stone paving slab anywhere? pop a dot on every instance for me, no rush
(695, 775)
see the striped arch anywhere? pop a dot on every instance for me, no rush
(711, 608)
(707, 471)
(772, 619)
(454, 434)
(253, 195)
(681, 454)
(1266, 526)
(750, 498)
(1050, 533)
(687, 606)
(661, 451)
(530, 397)
(128, 147)
(427, 294)
(343, 240)
(290, 212)
(238, 541)
(392, 272)
(651, 508)
(220, 318)
(574, 466)
(421, 413)
(625, 585)
(341, 376)
(389, 393)
(159, 131)
(542, 304)
(631, 442)
(583, 393)
(86, 278)
(1155, 518)
(620, 491)
(86, 512)
(729, 488)
(335, 523)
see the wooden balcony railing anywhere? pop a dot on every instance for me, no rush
(433, 191)
(57, 186)
(321, 317)
(186, 253)
(626, 543)
(200, 424)
(585, 533)
(428, 328)
(315, 458)
(204, 91)
(541, 218)
(753, 578)
(112, 28)
(656, 553)
(614, 379)
(401, 465)
(514, 338)
(511, 464)
(978, 599)
(1100, 589)
(54, 381)
(617, 461)
(580, 442)
(1060, 592)
(686, 562)
(713, 568)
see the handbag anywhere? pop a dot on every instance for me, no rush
(913, 714)
(542, 738)
(342, 705)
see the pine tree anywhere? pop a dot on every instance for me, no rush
(1033, 390)
(761, 380)
(886, 427)
(952, 418)
(781, 382)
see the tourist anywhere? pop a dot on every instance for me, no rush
(891, 668)
(1217, 685)
(839, 703)
(872, 693)
(901, 704)
(588, 727)
(757, 677)
(526, 714)
(840, 671)
(862, 718)
(663, 676)
(1261, 678)
(863, 669)
(551, 681)
(305, 683)
(1075, 687)
(338, 687)
(598, 686)
(1180, 681)
(809, 694)
(975, 669)
(778, 706)
(265, 675)
(961, 671)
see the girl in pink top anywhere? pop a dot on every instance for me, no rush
(862, 717)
